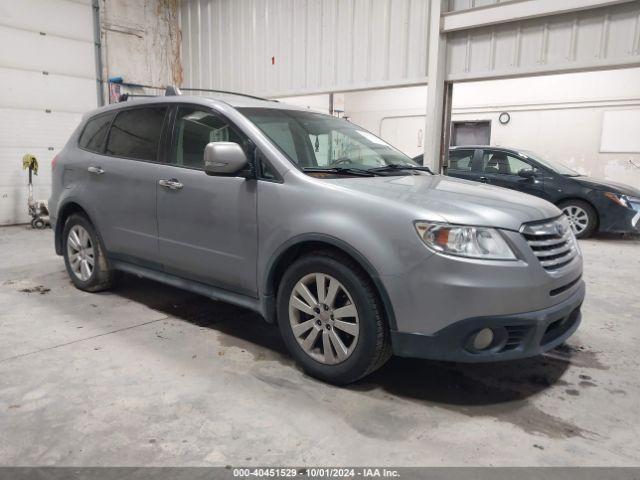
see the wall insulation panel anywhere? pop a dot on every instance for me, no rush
(292, 47)
(591, 39)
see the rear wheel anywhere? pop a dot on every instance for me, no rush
(331, 319)
(582, 217)
(84, 256)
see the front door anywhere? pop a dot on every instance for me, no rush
(207, 226)
(503, 170)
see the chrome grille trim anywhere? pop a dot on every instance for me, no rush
(555, 251)
(545, 243)
(552, 242)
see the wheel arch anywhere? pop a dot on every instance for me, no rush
(65, 212)
(300, 245)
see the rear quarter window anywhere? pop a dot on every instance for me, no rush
(95, 132)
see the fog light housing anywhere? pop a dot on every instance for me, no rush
(483, 339)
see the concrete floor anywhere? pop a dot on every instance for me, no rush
(151, 375)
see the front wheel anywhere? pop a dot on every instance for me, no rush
(331, 319)
(582, 217)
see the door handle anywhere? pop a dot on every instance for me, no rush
(171, 184)
(96, 170)
(484, 180)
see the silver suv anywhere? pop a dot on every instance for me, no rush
(352, 248)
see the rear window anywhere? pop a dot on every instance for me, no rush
(95, 132)
(135, 133)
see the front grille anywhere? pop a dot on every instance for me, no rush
(552, 242)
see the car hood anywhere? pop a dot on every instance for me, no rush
(457, 201)
(607, 185)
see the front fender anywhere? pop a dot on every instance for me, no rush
(268, 283)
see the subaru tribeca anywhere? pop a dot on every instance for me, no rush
(353, 249)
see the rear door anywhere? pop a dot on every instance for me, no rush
(121, 185)
(207, 226)
(461, 164)
(502, 169)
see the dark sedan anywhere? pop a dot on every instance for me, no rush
(591, 204)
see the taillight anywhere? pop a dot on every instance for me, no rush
(53, 162)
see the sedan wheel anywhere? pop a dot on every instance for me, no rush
(578, 218)
(80, 252)
(324, 318)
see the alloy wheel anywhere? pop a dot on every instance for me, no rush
(324, 318)
(578, 218)
(80, 252)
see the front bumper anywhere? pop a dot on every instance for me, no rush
(617, 219)
(515, 336)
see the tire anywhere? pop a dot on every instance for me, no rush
(364, 341)
(582, 217)
(38, 224)
(81, 244)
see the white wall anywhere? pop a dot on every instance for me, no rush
(48, 79)
(397, 115)
(560, 116)
(318, 103)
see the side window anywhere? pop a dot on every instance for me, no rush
(516, 164)
(135, 133)
(94, 133)
(194, 129)
(266, 171)
(461, 160)
(503, 164)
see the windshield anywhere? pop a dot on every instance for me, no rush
(553, 166)
(314, 141)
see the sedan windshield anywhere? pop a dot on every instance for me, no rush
(553, 166)
(318, 142)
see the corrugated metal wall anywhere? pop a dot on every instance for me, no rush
(455, 5)
(292, 47)
(47, 74)
(599, 38)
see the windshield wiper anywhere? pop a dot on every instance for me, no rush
(342, 171)
(400, 166)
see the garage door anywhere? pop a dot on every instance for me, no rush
(47, 81)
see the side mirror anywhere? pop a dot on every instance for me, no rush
(224, 158)
(528, 174)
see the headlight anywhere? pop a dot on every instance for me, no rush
(621, 200)
(472, 242)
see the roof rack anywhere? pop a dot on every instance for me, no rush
(226, 92)
(172, 91)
